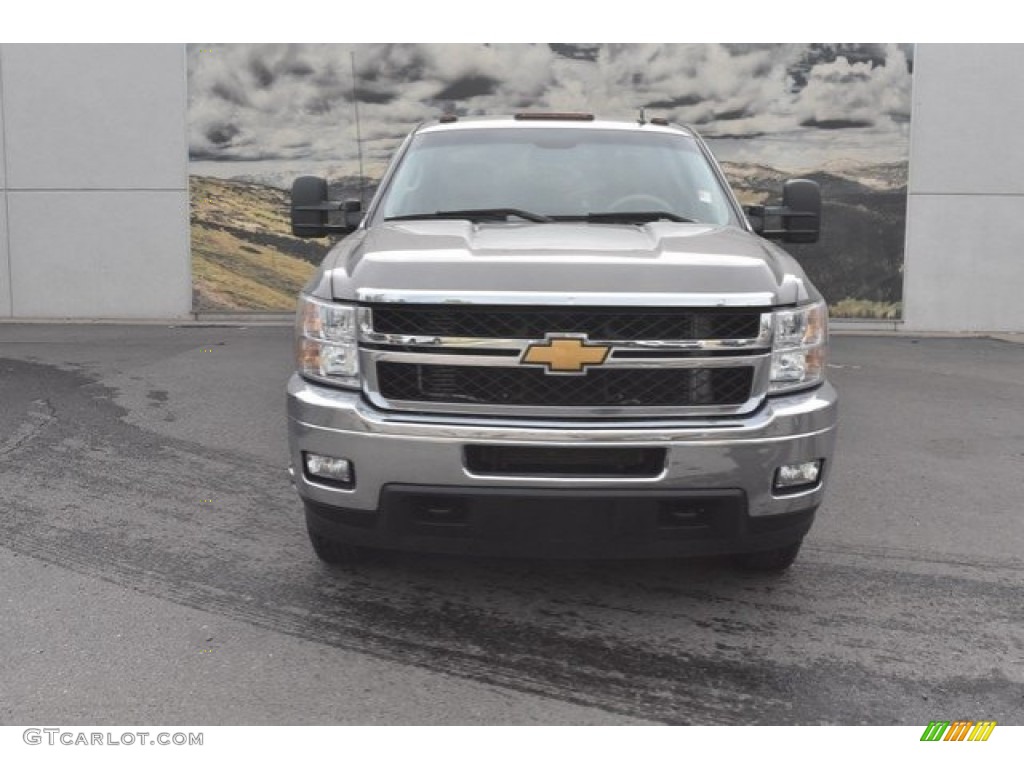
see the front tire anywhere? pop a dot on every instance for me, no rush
(775, 560)
(334, 552)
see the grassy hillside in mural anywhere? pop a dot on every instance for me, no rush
(244, 258)
(858, 262)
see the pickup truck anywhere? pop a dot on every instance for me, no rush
(551, 335)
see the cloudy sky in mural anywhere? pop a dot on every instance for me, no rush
(790, 106)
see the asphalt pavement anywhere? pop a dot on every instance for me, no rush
(154, 565)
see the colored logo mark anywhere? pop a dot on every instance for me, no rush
(568, 354)
(958, 730)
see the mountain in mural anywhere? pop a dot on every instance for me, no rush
(860, 254)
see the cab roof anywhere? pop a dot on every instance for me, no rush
(577, 120)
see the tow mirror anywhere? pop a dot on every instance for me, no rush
(799, 215)
(311, 210)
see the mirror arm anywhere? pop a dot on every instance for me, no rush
(339, 228)
(764, 211)
(348, 206)
(755, 215)
(327, 205)
(781, 210)
(351, 208)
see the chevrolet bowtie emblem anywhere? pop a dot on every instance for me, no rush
(565, 354)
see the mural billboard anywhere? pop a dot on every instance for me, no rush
(260, 115)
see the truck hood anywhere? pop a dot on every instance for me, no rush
(710, 265)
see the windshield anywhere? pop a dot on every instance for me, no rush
(561, 173)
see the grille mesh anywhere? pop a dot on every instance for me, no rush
(533, 387)
(599, 323)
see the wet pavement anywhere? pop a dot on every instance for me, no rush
(154, 565)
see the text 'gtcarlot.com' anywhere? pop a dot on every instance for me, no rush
(54, 736)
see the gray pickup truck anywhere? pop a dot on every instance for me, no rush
(560, 336)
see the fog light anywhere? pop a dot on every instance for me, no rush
(794, 477)
(339, 471)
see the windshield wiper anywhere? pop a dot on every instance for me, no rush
(629, 217)
(475, 214)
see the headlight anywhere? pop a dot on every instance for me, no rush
(326, 345)
(798, 351)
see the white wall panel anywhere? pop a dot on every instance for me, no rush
(95, 116)
(3, 153)
(967, 270)
(968, 109)
(96, 170)
(963, 267)
(107, 254)
(5, 266)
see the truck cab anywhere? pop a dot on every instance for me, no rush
(556, 335)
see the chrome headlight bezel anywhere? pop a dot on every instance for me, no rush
(799, 347)
(327, 342)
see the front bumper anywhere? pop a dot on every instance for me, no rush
(717, 472)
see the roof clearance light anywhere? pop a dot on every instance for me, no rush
(554, 116)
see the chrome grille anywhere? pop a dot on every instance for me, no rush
(467, 359)
(606, 323)
(641, 387)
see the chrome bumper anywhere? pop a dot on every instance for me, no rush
(401, 448)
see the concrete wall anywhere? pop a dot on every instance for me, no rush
(964, 268)
(94, 185)
(94, 181)
(5, 262)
